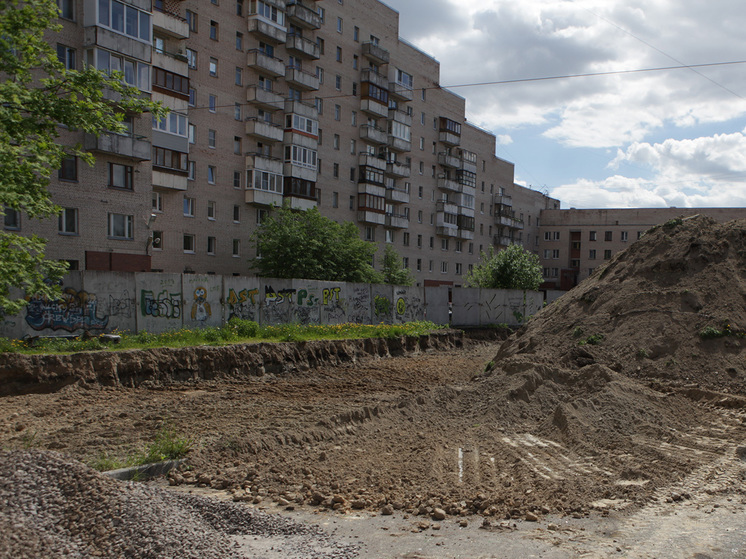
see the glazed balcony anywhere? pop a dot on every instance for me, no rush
(265, 64)
(266, 31)
(301, 79)
(302, 15)
(264, 131)
(300, 46)
(375, 53)
(267, 100)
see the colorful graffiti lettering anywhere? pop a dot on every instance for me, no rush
(201, 310)
(242, 304)
(75, 310)
(381, 305)
(165, 305)
(277, 297)
(242, 296)
(306, 298)
(330, 294)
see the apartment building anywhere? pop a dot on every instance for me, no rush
(311, 104)
(574, 242)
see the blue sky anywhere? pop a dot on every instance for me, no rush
(621, 140)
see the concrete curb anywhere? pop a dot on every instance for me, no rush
(145, 471)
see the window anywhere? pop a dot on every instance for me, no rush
(239, 76)
(236, 247)
(237, 145)
(608, 235)
(335, 142)
(370, 233)
(171, 82)
(339, 25)
(555, 254)
(625, 236)
(339, 54)
(419, 241)
(356, 34)
(192, 168)
(236, 179)
(302, 123)
(120, 176)
(353, 147)
(592, 236)
(389, 236)
(191, 18)
(156, 201)
(419, 264)
(592, 254)
(444, 244)
(211, 174)
(237, 111)
(444, 267)
(214, 67)
(69, 169)
(337, 112)
(607, 254)
(125, 19)
(67, 9)
(170, 159)
(239, 7)
(189, 243)
(212, 104)
(338, 82)
(211, 243)
(192, 97)
(353, 118)
(355, 61)
(66, 55)
(172, 123)
(236, 214)
(301, 156)
(458, 269)
(120, 226)
(268, 11)
(189, 206)
(322, 14)
(191, 58)
(211, 210)
(12, 218)
(239, 41)
(156, 239)
(211, 138)
(214, 30)
(335, 170)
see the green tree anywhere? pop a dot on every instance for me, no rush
(39, 98)
(305, 244)
(511, 268)
(393, 269)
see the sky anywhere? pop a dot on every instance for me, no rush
(636, 136)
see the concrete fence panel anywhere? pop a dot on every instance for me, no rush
(436, 304)
(203, 296)
(242, 298)
(160, 304)
(115, 293)
(466, 307)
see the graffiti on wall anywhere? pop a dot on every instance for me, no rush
(242, 304)
(163, 305)
(122, 305)
(74, 310)
(201, 310)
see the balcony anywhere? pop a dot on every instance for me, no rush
(371, 76)
(301, 46)
(449, 138)
(399, 144)
(504, 200)
(301, 79)
(400, 116)
(445, 183)
(267, 100)
(261, 162)
(373, 135)
(265, 64)
(397, 196)
(299, 171)
(302, 109)
(171, 181)
(370, 160)
(468, 161)
(465, 234)
(171, 61)
(374, 108)
(446, 207)
(375, 53)
(447, 160)
(501, 240)
(303, 16)
(264, 131)
(170, 22)
(367, 216)
(398, 170)
(399, 91)
(263, 197)
(267, 31)
(299, 203)
(113, 41)
(397, 221)
(371, 188)
(132, 147)
(446, 231)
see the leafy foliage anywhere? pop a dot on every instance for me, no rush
(308, 245)
(393, 269)
(511, 268)
(39, 99)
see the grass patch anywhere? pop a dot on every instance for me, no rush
(593, 339)
(235, 331)
(168, 445)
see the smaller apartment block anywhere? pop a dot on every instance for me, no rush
(574, 242)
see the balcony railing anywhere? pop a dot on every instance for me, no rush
(265, 131)
(303, 16)
(301, 79)
(267, 31)
(260, 60)
(371, 76)
(301, 45)
(373, 134)
(376, 53)
(268, 100)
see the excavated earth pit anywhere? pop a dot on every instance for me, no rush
(626, 394)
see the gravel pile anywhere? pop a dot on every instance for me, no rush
(53, 506)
